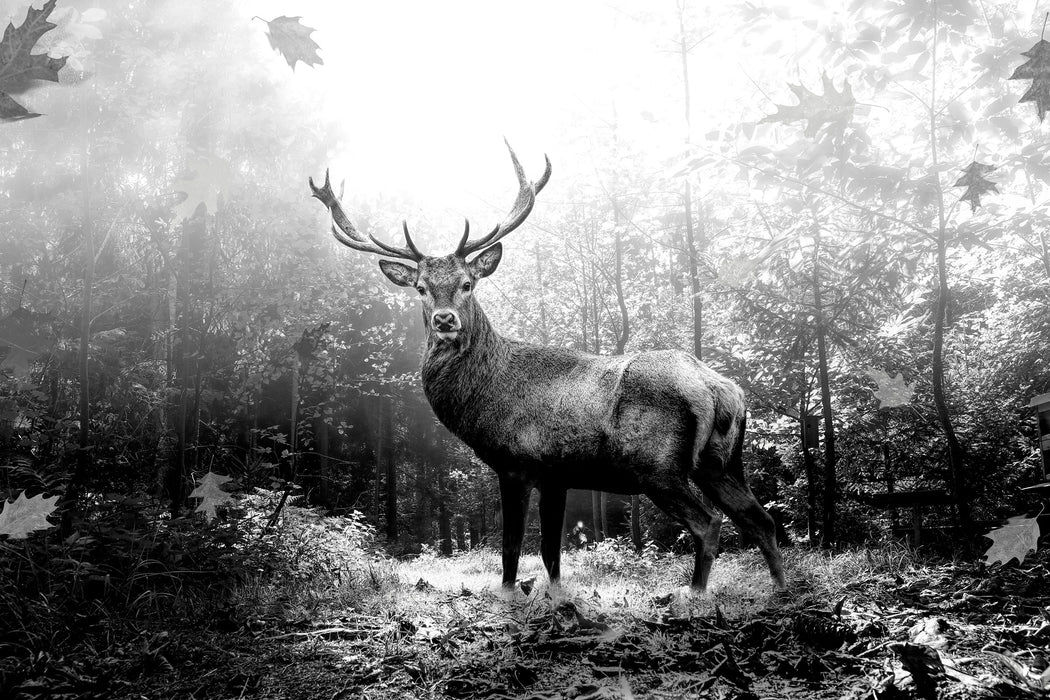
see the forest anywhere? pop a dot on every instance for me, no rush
(220, 475)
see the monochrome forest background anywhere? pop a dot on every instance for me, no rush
(842, 206)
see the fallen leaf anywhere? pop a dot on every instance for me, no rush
(23, 516)
(19, 67)
(1014, 540)
(209, 490)
(289, 37)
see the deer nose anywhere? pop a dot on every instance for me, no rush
(445, 321)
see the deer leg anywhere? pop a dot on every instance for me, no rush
(704, 524)
(738, 502)
(552, 522)
(514, 496)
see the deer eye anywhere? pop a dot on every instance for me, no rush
(421, 289)
(467, 286)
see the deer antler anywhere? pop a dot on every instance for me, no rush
(522, 207)
(348, 235)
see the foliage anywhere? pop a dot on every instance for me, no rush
(23, 516)
(1014, 540)
(289, 37)
(20, 67)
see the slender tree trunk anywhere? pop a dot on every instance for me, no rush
(956, 456)
(830, 457)
(82, 465)
(386, 458)
(444, 513)
(687, 197)
(811, 469)
(596, 516)
(544, 332)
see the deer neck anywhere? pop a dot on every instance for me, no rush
(459, 375)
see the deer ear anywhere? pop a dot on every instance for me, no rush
(401, 275)
(486, 263)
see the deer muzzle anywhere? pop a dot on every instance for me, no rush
(445, 324)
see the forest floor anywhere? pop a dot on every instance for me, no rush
(861, 624)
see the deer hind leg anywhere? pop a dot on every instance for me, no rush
(514, 499)
(552, 522)
(683, 503)
(738, 502)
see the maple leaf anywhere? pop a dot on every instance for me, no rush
(24, 515)
(19, 67)
(833, 107)
(292, 40)
(209, 490)
(1013, 540)
(976, 183)
(892, 391)
(210, 177)
(1036, 69)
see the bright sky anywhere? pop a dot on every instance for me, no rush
(428, 90)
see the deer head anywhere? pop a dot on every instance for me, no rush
(445, 283)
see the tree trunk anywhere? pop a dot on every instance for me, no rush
(955, 451)
(830, 457)
(596, 516)
(82, 465)
(811, 470)
(386, 458)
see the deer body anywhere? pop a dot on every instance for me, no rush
(660, 423)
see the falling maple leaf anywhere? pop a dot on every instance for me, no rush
(19, 67)
(892, 391)
(833, 107)
(976, 183)
(22, 516)
(209, 490)
(1014, 540)
(291, 39)
(210, 177)
(1036, 69)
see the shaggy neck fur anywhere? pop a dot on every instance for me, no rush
(458, 374)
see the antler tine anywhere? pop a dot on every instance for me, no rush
(461, 248)
(347, 233)
(408, 240)
(526, 199)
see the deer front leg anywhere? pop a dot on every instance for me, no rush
(514, 496)
(552, 522)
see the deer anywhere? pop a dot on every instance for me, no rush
(658, 423)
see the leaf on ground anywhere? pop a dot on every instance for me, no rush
(976, 183)
(1036, 69)
(22, 516)
(209, 490)
(209, 177)
(833, 107)
(19, 67)
(1014, 540)
(924, 665)
(289, 37)
(892, 391)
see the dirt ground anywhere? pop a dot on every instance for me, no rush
(856, 625)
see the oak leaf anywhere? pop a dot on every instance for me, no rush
(22, 516)
(209, 490)
(289, 37)
(1014, 540)
(976, 183)
(1036, 69)
(892, 391)
(19, 67)
(833, 107)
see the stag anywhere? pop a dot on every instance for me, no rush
(659, 423)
